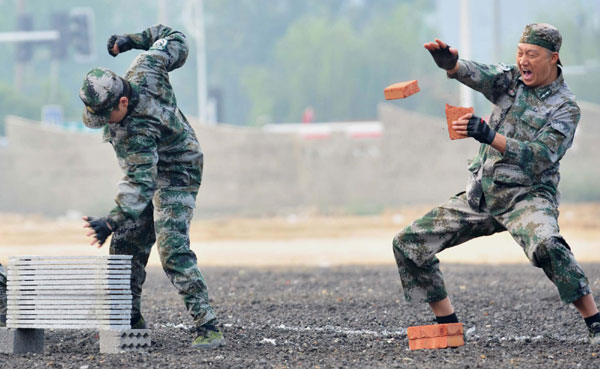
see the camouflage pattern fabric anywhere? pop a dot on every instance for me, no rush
(2, 290)
(155, 145)
(515, 191)
(542, 34)
(166, 220)
(539, 125)
(161, 158)
(532, 223)
(100, 94)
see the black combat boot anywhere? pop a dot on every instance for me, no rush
(208, 336)
(138, 322)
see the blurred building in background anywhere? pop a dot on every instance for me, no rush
(269, 66)
(404, 158)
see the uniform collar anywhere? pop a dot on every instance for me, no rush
(546, 91)
(134, 98)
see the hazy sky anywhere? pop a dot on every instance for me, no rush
(513, 16)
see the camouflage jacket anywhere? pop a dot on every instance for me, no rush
(155, 145)
(539, 125)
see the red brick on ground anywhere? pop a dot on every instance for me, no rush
(401, 90)
(435, 336)
(452, 114)
(436, 342)
(434, 330)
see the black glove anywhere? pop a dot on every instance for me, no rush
(100, 226)
(444, 58)
(480, 130)
(123, 43)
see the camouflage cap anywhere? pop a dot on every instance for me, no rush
(542, 34)
(100, 93)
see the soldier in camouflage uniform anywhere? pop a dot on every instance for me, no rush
(513, 182)
(2, 297)
(162, 161)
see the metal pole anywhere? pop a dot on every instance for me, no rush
(162, 12)
(497, 17)
(29, 36)
(466, 94)
(201, 61)
(19, 68)
(193, 18)
(54, 73)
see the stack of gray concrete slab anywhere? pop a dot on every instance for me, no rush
(70, 292)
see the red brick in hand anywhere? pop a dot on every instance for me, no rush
(452, 114)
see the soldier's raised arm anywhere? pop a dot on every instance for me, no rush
(492, 80)
(164, 43)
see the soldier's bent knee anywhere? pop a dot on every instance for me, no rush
(548, 250)
(397, 245)
(402, 246)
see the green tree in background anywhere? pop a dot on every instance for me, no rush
(339, 68)
(270, 59)
(314, 64)
(583, 28)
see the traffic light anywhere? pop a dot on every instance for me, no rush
(82, 33)
(59, 49)
(24, 51)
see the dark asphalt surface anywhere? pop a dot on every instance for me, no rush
(346, 317)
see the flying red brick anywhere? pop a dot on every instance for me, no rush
(401, 90)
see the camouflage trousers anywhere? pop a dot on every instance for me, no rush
(2, 291)
(167, 221)
(532, 222)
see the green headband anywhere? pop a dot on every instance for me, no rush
(534, 40)
(542, 34)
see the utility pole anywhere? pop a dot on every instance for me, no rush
(497, 22)
(201, 61)
(74, 28)
(161, 10)
(466, 94)
(194, 22)
(19, 67)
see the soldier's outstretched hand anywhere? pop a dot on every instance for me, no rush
(444, 56)
(99, 230)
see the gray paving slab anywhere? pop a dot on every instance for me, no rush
(70, 314)
(69, 324)
(67, 274)
(57, 285)
(66, 293)
(80, 326)
(58, 267)
(50, 309)
(25, 262)
(99, 301)
(71, 257)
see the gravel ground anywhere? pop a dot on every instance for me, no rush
(343, 317)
